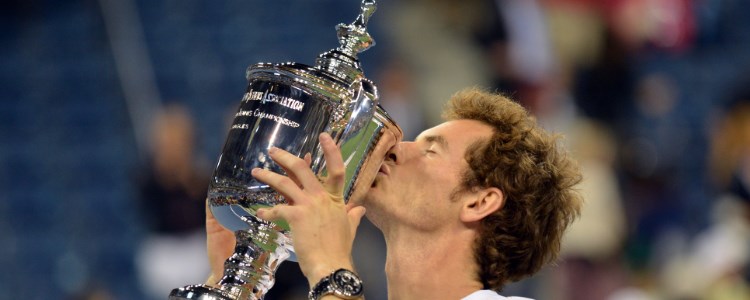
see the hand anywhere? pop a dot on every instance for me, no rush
(322, 226)
(220, 242)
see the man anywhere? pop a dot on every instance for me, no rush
(474, 203)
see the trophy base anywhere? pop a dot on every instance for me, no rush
(198, 292)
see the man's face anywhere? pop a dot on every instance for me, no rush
(415, 183)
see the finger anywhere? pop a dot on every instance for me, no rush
(334, 183)
(277, 212)
(293, 178)
(355, 217)
(295, 167)
(308, 160)
(282, 184)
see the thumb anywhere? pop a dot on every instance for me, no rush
(355, 215)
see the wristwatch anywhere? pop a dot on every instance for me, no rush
(341, 283)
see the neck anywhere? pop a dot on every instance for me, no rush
(431, 265)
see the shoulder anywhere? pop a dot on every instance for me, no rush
(490, 295)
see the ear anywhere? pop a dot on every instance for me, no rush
(480, 204)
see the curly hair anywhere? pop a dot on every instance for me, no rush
(537, 180)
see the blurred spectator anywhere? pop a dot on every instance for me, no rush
(666, 25)
(435, 38)
(576, 31)
(173, 190)
(593, 245)
(395, 84)
(604, 89)
(92, 293)
(590, 268)
(716, 265)
(528, 47)
(518, 47)
(730, 151)
(654, 147)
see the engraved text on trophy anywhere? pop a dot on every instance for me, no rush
(271, 114)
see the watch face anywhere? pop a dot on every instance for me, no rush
(347, 282)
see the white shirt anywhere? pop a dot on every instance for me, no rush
(490, 295)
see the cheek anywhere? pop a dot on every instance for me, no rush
(448, 175)
(439, 184)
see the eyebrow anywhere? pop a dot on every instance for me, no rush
(439, 139)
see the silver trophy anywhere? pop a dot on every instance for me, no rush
(287, 106)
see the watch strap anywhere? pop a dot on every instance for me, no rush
(323, 287)
(327, 286)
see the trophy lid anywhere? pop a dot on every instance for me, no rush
(353, 38)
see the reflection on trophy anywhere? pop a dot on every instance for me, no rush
(287, 106)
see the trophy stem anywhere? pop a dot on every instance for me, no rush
(249, 272)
